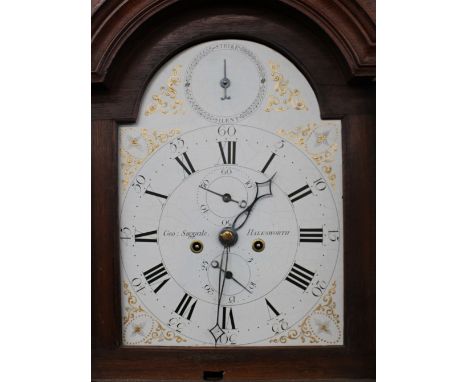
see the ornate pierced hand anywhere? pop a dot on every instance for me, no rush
(216, 331)
(263, 190)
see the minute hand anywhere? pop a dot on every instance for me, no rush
(263, 190)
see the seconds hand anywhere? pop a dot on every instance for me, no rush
(226, 197)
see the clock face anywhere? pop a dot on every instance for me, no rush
(230, 194)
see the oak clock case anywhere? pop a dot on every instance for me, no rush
(231, 206)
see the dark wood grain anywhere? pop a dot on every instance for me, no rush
(106, 323)
(286, 31)
(167, 28)
(350, 24)
(359, 230)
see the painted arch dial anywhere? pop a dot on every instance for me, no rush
(211, 177)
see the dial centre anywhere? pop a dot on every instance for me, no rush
(228, 237)
(225, 83)
(229, 275)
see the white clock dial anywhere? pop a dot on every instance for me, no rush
(230, 205)
(168, 208)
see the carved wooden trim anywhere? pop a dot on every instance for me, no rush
(345, 21)
(132, 39)
(350, 28)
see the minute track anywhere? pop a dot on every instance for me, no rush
(273, 220)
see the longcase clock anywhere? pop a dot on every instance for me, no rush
(233, 191)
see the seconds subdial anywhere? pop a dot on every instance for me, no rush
(224, 192)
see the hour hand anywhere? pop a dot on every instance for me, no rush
(229, 275)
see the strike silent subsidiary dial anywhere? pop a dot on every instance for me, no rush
(233, 91)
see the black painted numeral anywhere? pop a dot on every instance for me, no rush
(186, 306)
(268, 162)
(142, 237)
(271, 309)
(311, 235)
(155, 194)
(187, 166)
(156, 275)
(300, 193)
(230, 158)
(300, 276)
(228, 318)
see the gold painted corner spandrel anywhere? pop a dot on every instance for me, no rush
(166, 101)
(137, 144)
(284, 97)
(139, 326)
(319, 140)
(321, 327)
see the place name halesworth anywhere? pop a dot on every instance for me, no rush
(253, 232)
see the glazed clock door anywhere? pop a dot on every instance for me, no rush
(230, 189)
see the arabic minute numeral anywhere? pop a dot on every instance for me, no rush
(177, 145)
(209, 289)
(137, 284)
(139, 182)
(227, 130)
(279, 326)
(333, 235)
(228, 338)
(249, 184)
(318, 288)
(125, 233)
(177, 324)
(319, 184)
(279, 145)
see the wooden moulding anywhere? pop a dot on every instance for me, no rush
(331, 42)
